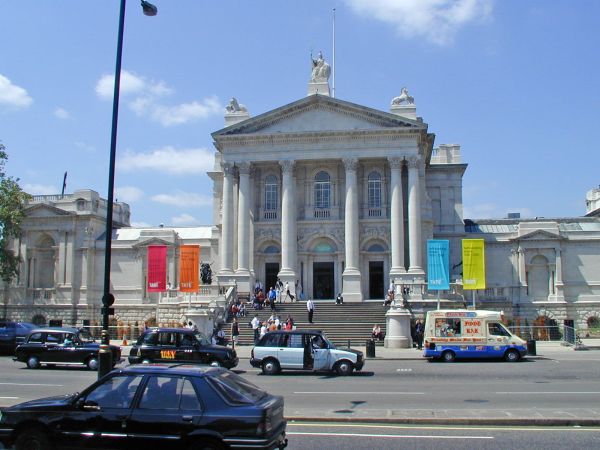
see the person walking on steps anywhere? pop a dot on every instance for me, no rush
(287, 292)
(310, 307)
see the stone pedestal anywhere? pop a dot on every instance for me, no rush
(351, 286)
(319, 87)
(397, 334)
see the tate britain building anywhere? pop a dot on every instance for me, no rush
(328, 196)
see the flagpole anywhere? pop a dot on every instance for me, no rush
(333, 59)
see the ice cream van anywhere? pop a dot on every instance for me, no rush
(462, 333)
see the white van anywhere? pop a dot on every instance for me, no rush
(462, 333)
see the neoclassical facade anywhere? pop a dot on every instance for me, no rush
(330, 197)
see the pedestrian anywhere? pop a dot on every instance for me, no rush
(287, 291)
(272, 298)
(279, 290)
(310, 306)
(419, 332)
(235, 331)
(339, 299)
(255, 323)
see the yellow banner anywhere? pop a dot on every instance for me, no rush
(473, 256)
(189, 266)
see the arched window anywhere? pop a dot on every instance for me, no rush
(322, 191)
(271, 249)
(374, 182)
(271, 193)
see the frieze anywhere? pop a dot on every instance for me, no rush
(305, 234)
(370, 231)
(264, 233)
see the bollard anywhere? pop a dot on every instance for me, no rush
(370, 348)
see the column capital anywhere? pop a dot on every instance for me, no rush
(351, 164)
(228, 168)
(244, 167)
(395, 162)
(287, 165)
(413, 162)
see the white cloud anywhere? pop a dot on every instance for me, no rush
(435, 20)
(128, 194)
(12, 95)
(169, 160)
(145, 102)
(41, 189)
(183, 199)
(140, 225)
(62, 113)
(184, 220)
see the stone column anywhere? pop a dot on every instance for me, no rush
(243, 234)
(351, 277)
(396, 217)
(226, 249)
(414, 216)
(288, 223)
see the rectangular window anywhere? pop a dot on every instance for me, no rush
(270, 197)
(447, 327)
(322, 196)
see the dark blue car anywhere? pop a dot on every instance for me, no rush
(13, 334)
(150, 406)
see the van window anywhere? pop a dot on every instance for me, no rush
(447, 327)
(496, 329)
(271, 340)
(293, 341)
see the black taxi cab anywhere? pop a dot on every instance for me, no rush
(180, 345)
(62, 346)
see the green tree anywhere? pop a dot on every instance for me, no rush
(12, 211)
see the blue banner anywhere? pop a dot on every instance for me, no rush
(438, 265)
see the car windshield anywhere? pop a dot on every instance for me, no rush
(236, 389)
(202, 339)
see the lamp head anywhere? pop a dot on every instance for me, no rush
(149, 9)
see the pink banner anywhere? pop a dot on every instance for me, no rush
(157, 268)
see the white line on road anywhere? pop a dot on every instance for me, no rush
(548, 392)
(31, 384)
(358, 392)
(397, 436)
(10, 398)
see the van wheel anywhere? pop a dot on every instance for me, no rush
(344, 368)
(448, 356)
(270, 367)
(512, 356)
(33, 362)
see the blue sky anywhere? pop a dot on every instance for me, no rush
(515, 82)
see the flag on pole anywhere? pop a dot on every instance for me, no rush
(157, 268)
(473, 254)
(438, 265)
(189, 265)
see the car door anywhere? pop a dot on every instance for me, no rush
(168, 409)
(52, 350)
(187, 348)
(320, 353)
(497, 340)
(98, 418)
(291, 351)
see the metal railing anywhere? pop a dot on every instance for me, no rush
(550, 333)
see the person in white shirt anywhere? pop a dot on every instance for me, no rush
(310, 307)
(255, 327)
(263, 330)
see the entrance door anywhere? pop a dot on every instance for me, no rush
(323, 280)
(271, 271)
(376, 279)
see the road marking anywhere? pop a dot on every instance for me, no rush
(396, 436)
(547, 392)
(551, 428)
(403, 370)
(10, 398)
(31, 384)
(358, 392)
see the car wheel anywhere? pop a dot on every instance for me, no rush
(33, 362)
(270, 367)
(146, 361)
(344, 368)
(33, 439)
(207, 444)
(92, 363)
(448, 356)
(512, 356)
(215, 363)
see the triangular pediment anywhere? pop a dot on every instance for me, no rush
(45, 210)
(317, 114)
(151, 241)
(539, 235)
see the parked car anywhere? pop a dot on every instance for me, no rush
(180, 345)
(303, 350)
(13, 334)
(177, 406)
(61, 346)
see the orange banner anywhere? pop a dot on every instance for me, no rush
(189, 266)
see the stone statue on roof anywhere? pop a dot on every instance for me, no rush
(320, 69)
(403, 98)
(234, 106)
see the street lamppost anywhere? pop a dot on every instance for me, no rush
(105, 355)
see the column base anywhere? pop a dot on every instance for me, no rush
(288, 276)
(351, 285)
(397, 271)
(397, 333)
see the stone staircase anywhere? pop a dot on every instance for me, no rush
(350, 322)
